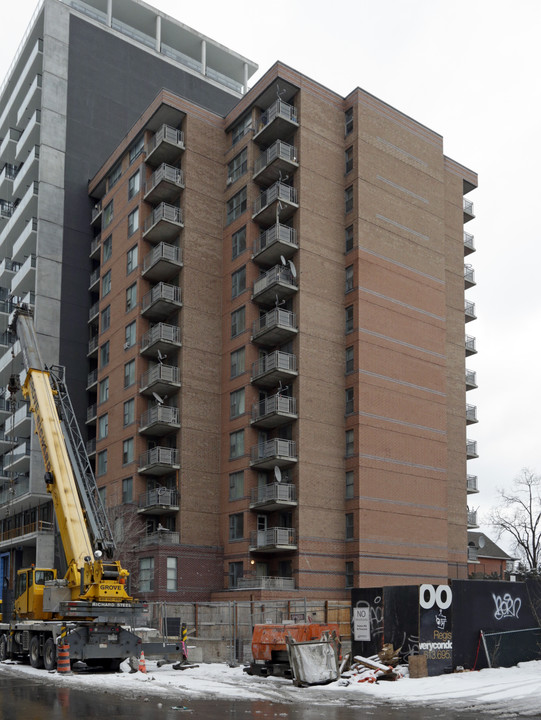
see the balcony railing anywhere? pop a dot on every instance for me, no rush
(275, 120)
(278, 192)
(468, 209)
(274, 494)
(161, 537)
(277, 159)
(165, 183)
(472, 484)
(158, 459)
(93, 344)
(273, 538)
(265, 583)
(469, 245)
(160, 336)
(165, 135)
(471, 449)
(160, 378)
(162, 262)
(91, 413)
(274, 366)
(278, 240)
(470, 345)
(278, 282)
(91, 379)
(163, 298)
(469, 276)
(274, 410)
(275, 327)
(273, 452)
(472, 519)
(471, 379)
(159, 497)
(159, 419)
(471, 414)
(39, 526)
(469, 310)
(163, 221)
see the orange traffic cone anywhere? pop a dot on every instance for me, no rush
(142, 664)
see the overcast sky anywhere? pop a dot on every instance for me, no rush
(468, 69)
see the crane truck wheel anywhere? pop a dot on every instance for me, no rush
(3, 648)
(36, 660)
(49, 654)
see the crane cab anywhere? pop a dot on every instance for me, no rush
(29, 592)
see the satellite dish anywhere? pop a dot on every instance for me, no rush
(481, 541)
(158, 398)
(161, 357)
(283, 260)
(293, 268)
(277, 474)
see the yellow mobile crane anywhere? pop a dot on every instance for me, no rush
(91, 603)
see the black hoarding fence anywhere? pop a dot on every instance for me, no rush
(504, 649)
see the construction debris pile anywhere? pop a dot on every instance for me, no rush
(383, 666)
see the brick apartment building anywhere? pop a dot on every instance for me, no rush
(259, 300)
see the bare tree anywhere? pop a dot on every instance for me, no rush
(519, 515)
(128, 529)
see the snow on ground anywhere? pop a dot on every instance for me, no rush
(483, 690)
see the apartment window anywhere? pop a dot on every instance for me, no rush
(172, 575)
(349, 526)
(103, 426)
(349, 160)
(106, 284)
(236, 485)
(349, 238)
(129, 412)
(114, 176)
(236, 526)
(146, 574)
(107, 248)
(238, 321)
(237, 362)
(127, 451)
(103, 390)
(236, 444)
(133, 222)
(134, 184)
(235, 573)
(349, 574)
(131, 297)
(240, 130)
(238, 242)
(129, 373)
(102, 492)
(238, 166)
(350, 399)
(349, 484)
(350, 359)
(236, 205)
(349, 278)
(238, 282)
(129, 337)
(105, 319)
(104, 354)
(349, 319)
(236, 403)
(348, 195)
(127, 490)
(137, 148)
(131, 259)
(350, 443)
(108, 213)
(102, 462)
(348, 117)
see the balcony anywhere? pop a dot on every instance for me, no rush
(161, 301)
(278, 202)
(14, 490)
(159, 461)
(469, 311)
(25, 244)
(471, 484)
(96, 214)
(274, 243)
(159, 420)
(469, 277)
(469, 246)
(95, 247)
(28, 173)
(471, 414)
(473, 554)
(18, 459)
(468, 213)
(160, 537)
(273, 497)
(160, 501)
(276, 283)
(93, 345)
(30, 136)
(94, 312)
(471, 379)
(273, 540)
(274, 411)
(278, 121)
(278, 451)
(91, 413)
(20, 423)
(6, 308)
(471, 449)
(470, 345)
(163, 223)
(7, 175)
(25, 279)
(275, 162)
(166, 145)
(472, 519)
(90, 446)
(275, 327)
(94, 279)
(164, 185)
(31, 101)
(8, 145)
(8, 269)
(159, 339)
(160, 379)
(92, 380)
(26, 534)
(162, 262)
(274, 368)
(263, 582)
